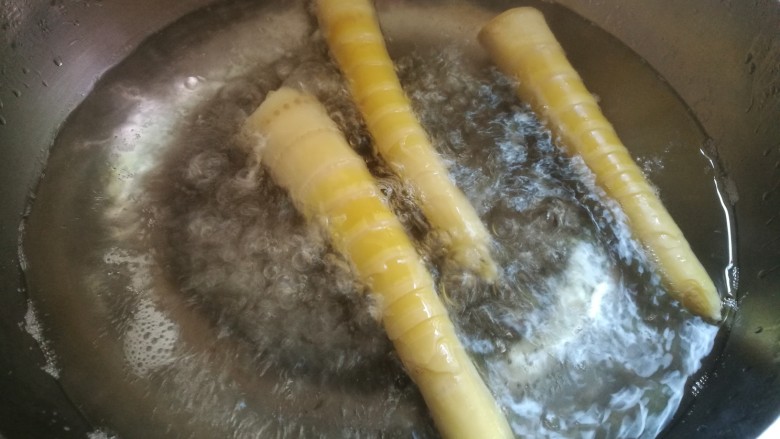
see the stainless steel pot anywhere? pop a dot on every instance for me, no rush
(722, 58)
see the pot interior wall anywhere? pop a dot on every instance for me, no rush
(56, 52)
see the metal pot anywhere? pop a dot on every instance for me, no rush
(722, 58)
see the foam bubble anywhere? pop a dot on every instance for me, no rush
(150, 339)
(137, 266)
(101, 434)
(33, 327)
(578, 292)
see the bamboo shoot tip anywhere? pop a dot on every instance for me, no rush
(499, 21)
(702, 300)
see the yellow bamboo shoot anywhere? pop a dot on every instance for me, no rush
(355, 40)
(308, 156)
(522, 45)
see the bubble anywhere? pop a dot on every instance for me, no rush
(191, 83)
(150, 339)
(33, 327)
(101, 434)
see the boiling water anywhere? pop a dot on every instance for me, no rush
(185, 296)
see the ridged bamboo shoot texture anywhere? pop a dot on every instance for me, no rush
(522, 45)
(308, 156)
(356, 43)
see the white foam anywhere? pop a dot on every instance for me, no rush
(20, 248)
(100, 434)
(579, 292)
(150, 340)
(593, 332)
(137, 265)
(33, 327)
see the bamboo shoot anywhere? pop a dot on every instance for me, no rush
(307, 155)
(522, 45)
(355, 40)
